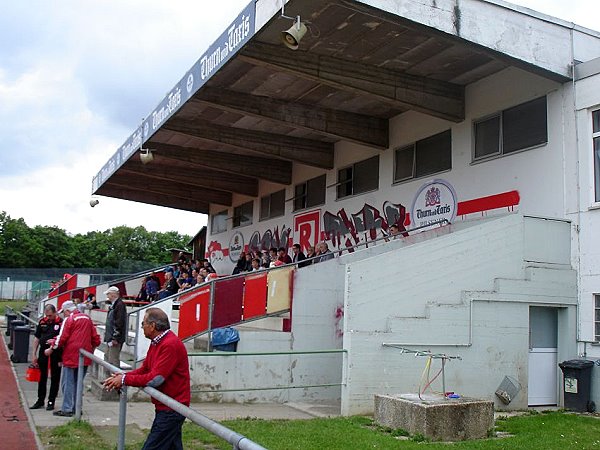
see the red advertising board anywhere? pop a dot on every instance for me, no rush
(193, 312)
(255, 296)
(227, 309)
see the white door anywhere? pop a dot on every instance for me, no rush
(543, 342)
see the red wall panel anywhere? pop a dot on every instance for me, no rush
(227, 309)
(255, 296)
(193, 312)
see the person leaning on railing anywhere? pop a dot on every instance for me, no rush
(165, 368)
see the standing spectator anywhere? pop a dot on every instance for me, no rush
(78, 331)
(48, 328)
(116, 326)
(298, 255)
(165, 368)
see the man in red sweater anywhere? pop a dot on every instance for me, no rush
(165, 368)
(78, 331)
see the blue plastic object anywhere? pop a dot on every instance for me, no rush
(225, 335)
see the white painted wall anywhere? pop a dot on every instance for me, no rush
(466, 293)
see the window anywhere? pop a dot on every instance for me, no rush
(242, 215)
(596, 136)
(361, 177)
(597, 318)
(272, 205)
(424, 157)
(310, 193)
(518, 128)
(218, 222)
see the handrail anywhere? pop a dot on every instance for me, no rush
(176, 295)
(116, 280)
(22, 315)
(237, 440)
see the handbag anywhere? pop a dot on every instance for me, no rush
(33, 373)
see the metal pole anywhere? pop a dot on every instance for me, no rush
(239, 441)
(122, 417)
(210, 313)
(79, 391)
(444, 377)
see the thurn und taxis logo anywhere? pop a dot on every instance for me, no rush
(432, 197)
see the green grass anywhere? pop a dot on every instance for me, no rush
(547, 431)
(17, 305)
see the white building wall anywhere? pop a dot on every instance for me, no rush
(476, 307)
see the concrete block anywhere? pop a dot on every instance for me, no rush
(434, 417)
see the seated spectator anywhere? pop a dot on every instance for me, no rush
(142, 294)
(152, 288)
(310, 253)
(240, 266)
(248, 266)
(323, 252)
(272, 255)
(265, 260)
(256, 265)
(170, 287)
(200, 278)
(208, 266)
(90, 300)
(283, 256)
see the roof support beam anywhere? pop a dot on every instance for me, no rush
(429, 96)
(172, 188)
(193, 205)
(305, 151)
(196, 176)
(269, 169)
(359, 128)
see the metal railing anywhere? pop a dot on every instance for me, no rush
(237, 440)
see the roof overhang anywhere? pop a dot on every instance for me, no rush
(250, 108)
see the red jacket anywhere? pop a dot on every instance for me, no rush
(78, 331)
(165, 368)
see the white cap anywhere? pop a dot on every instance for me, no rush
(112, 289)
(68, 305)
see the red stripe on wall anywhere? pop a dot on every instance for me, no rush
(504, 200)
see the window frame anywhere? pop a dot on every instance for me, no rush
(352, 178)
(236, 219)
(225, 213)
(270, 197)
(501, 132)
(414, 146)
(305, 195)
(595, 167)
(596, 306)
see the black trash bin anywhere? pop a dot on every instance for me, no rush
(9, 318)
(20, 344)
(13, 324)
(577, 376)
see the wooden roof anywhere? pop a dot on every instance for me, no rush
(270, 107)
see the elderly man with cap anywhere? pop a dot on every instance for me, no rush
(78, 331)
(116, 326)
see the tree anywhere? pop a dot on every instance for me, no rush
(122, 247)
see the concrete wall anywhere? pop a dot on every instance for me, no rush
(467, 293)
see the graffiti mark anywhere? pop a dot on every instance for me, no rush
(343, 231)
(339, 321)
(269, 239)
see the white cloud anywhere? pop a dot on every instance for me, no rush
(77, 76)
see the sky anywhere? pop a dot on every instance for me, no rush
(78, 76)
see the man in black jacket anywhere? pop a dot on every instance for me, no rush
(116, 326)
